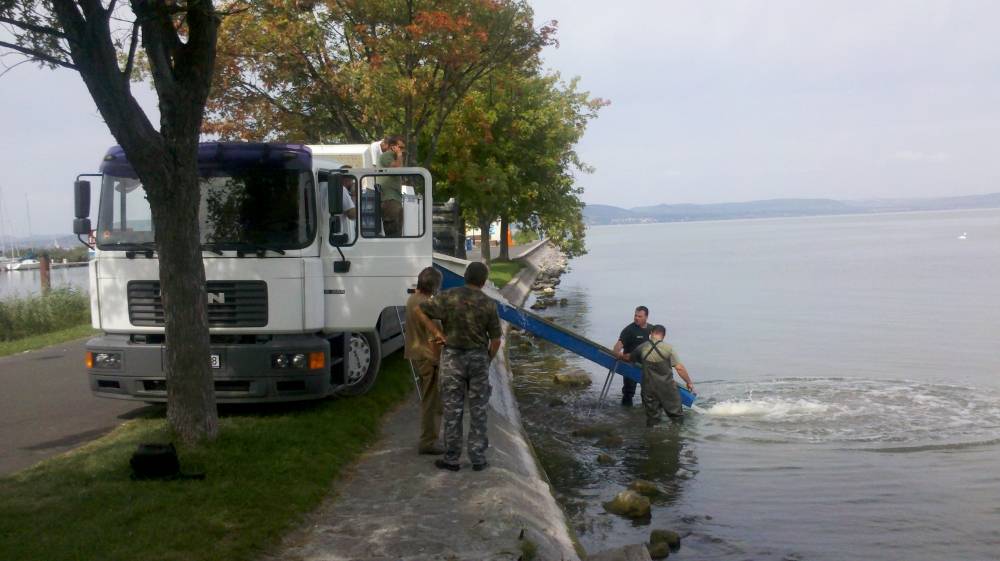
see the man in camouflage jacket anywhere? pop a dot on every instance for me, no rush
(471, 339)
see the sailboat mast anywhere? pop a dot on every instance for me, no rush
(27, 210)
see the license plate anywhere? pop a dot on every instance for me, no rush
(216, 361)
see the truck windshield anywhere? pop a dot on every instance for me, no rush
(272, 208)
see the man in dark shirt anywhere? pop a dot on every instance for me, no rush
(471, 339)
(634, 334)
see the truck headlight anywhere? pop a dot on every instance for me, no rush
(282, 361)
(108, 361)
(279, 361)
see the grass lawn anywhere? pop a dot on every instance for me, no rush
(269, 467)
(46, 339)
(502, 271)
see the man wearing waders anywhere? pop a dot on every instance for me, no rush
(659, 391)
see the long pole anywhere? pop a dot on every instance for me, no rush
(44, 274)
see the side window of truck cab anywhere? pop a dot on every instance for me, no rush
(393, 205)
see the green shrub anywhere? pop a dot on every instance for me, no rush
(59, 309)
(522, 237)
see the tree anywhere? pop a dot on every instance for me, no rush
(178, 39)
(509, 153)
(355, 70)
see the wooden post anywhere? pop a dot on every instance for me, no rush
(43, 268)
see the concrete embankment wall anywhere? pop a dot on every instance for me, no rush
(519, 491)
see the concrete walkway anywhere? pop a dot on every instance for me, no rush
(516, 251)
(394, 504)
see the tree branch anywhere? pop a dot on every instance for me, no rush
(131, 50)
(43, 29)
(39, 56)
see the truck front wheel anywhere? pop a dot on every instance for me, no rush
(364, 358)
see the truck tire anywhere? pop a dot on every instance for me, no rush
(364, 358)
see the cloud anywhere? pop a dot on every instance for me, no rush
(916, 156)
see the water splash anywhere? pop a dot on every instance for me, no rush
(774, 409)
(863, 413)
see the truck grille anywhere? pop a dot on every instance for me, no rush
(230, 303)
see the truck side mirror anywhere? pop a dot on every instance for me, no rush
(81, 196)
(81, 226)
(335, 196)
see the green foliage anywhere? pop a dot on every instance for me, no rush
(356, 71)
(525, 236)
(510, 151)
(268, 468)
(35, 315)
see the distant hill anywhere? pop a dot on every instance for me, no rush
(772, 208)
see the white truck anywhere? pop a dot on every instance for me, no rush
(303, 292)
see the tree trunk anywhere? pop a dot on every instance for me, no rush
(460, 233)
(484, 239)
(191, 407)
(166, 162)
(504, 246)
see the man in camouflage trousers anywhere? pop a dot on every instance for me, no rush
(471, 339)
(659, 391)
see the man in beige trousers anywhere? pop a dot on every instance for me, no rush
(425, 354)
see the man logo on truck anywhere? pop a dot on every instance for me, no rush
(216, 297)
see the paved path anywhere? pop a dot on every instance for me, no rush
(46, 407)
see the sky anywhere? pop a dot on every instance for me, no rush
(711, 101)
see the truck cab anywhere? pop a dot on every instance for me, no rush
(309, 253)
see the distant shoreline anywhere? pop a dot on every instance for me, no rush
(652, 222)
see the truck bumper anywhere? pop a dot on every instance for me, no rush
(245, 373)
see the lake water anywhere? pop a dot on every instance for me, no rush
(18, 284)
(848, 379)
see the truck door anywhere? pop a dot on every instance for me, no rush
(378, 240)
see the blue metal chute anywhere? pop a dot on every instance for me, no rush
(573, 342)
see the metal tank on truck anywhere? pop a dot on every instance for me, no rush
(304, 282)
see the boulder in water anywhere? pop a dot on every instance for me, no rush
(629, 504)
(643, 487)
(605, 460)
(658, 550)
(575, 379)
(669, 537)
